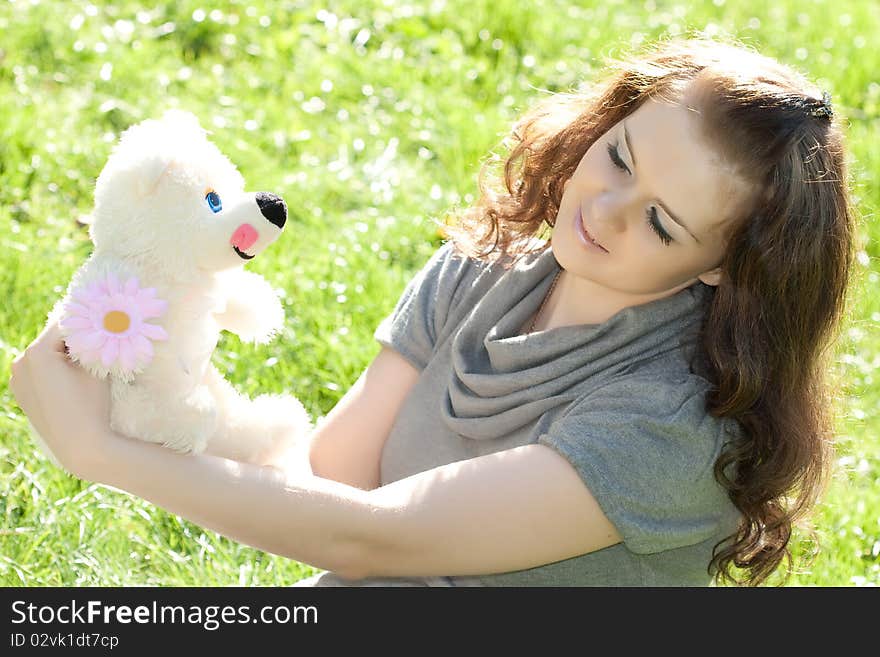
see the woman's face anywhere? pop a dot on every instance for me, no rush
(654, 196)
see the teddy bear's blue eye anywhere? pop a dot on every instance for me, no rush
(213, 199)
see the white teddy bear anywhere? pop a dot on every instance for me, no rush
(172, 228)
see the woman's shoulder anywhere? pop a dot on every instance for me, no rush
(524, 254)
(674, 403)
(449, 261)
(646, 447)
(646, 386)
(433, 302)
(454, 272)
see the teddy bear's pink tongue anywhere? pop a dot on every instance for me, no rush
(244, 237)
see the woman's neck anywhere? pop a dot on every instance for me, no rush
(575, 301)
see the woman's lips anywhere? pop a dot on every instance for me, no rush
(585, 236)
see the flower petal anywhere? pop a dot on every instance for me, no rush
(117, 302)
(86, 340)
(74, 308)
(126, 354)
(93, 292)
(153, 332)
(113, 284)
(88, 358)
(110, 352)
(143, 348)
(96, 316)
(146, 295)
(153, 308)
(75, 322)
(131, 287)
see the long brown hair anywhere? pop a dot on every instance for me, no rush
(787, 265)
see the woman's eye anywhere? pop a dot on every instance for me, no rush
(616, 159)
(213, 199)
(654, 223)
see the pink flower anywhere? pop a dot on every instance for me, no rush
(105, 322)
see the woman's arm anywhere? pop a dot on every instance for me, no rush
(505, 511)
(347, 445)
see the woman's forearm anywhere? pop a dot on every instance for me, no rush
(291, 513)
(316, 521)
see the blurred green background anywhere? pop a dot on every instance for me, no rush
(371, 119)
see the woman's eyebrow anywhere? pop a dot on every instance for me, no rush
(659, 202)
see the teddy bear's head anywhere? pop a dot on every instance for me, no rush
(169, 198)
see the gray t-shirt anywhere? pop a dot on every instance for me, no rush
(618, 400)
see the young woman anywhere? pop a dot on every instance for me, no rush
(639, 400)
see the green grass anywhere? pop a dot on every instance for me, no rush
(370, 119)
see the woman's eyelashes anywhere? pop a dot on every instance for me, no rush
(614, 154)
(654, 223)
(651, 212)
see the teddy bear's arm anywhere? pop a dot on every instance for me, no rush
(253, 310)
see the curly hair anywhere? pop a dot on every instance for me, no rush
(787, 266)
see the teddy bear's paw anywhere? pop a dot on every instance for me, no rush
(271, 323)
(184, 443)
(253, 309)
(283, 424)
(184, 438)
(266, 320)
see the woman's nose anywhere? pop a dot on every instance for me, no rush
(611, 209)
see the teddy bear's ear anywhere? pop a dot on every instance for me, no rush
(148, 150)
(182, 120)
(139, 178)
(146, 176)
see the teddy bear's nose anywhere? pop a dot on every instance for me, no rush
(273, 208)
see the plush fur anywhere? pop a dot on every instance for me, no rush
(151, 220)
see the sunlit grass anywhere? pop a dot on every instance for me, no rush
(371, 119)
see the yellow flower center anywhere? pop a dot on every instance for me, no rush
(116, 321)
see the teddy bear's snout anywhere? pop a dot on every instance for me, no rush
(272, 207)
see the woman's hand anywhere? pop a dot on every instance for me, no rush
(67, 406)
